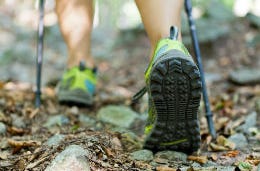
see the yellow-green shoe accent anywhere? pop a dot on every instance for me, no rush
(77, 86)
(174, 90)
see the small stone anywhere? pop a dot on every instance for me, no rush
(172, 156)
(57, 120)
(117, 115)
(142, 155)
(239, 139)
(245, 76)
(17, 121)
(195, 164)
(73, 158)
(86, 120)
(3, 143)
(250, 122)
(2, 128)
(74, 110)
(209, 164)
(55, 140)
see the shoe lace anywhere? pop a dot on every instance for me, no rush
(139, 94)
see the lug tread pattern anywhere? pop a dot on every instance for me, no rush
(175, 88)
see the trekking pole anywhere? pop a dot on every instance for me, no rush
(39, 54)
(195, 42)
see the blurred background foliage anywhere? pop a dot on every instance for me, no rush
(117, 21)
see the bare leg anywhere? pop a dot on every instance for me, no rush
(75, 20)
(158, 16)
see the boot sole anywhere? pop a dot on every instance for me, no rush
(175, 88)
(75, 97)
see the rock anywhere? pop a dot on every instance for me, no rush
(86, 121)
(56, 120)
(172, 155)
(117, 115)
(143, 155)
(73, 158)
(55, 140)
(239, 139)
(2, 128)
(250, 122)
(17, 121)
(245, 76)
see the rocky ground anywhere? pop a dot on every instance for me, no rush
(109, 135)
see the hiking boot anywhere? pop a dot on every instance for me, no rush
(174, 87)
(77, 86)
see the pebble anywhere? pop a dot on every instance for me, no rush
(55, 140)
(142, 155)
(117, 115)
(17, 121)
(74, 158)
(57, 120)
(239, 139)
(2, 128)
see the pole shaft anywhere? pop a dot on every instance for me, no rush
(195, 42)
(39, 53)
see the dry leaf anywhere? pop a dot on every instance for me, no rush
(109, 152)
(221, 122)
(17, 131)
(216, 147)
(165, 168)
(34, 113)
(232, 153)
(199, 159)
(255, 162)
(214, 156)
(221, 140)
(18, 145)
